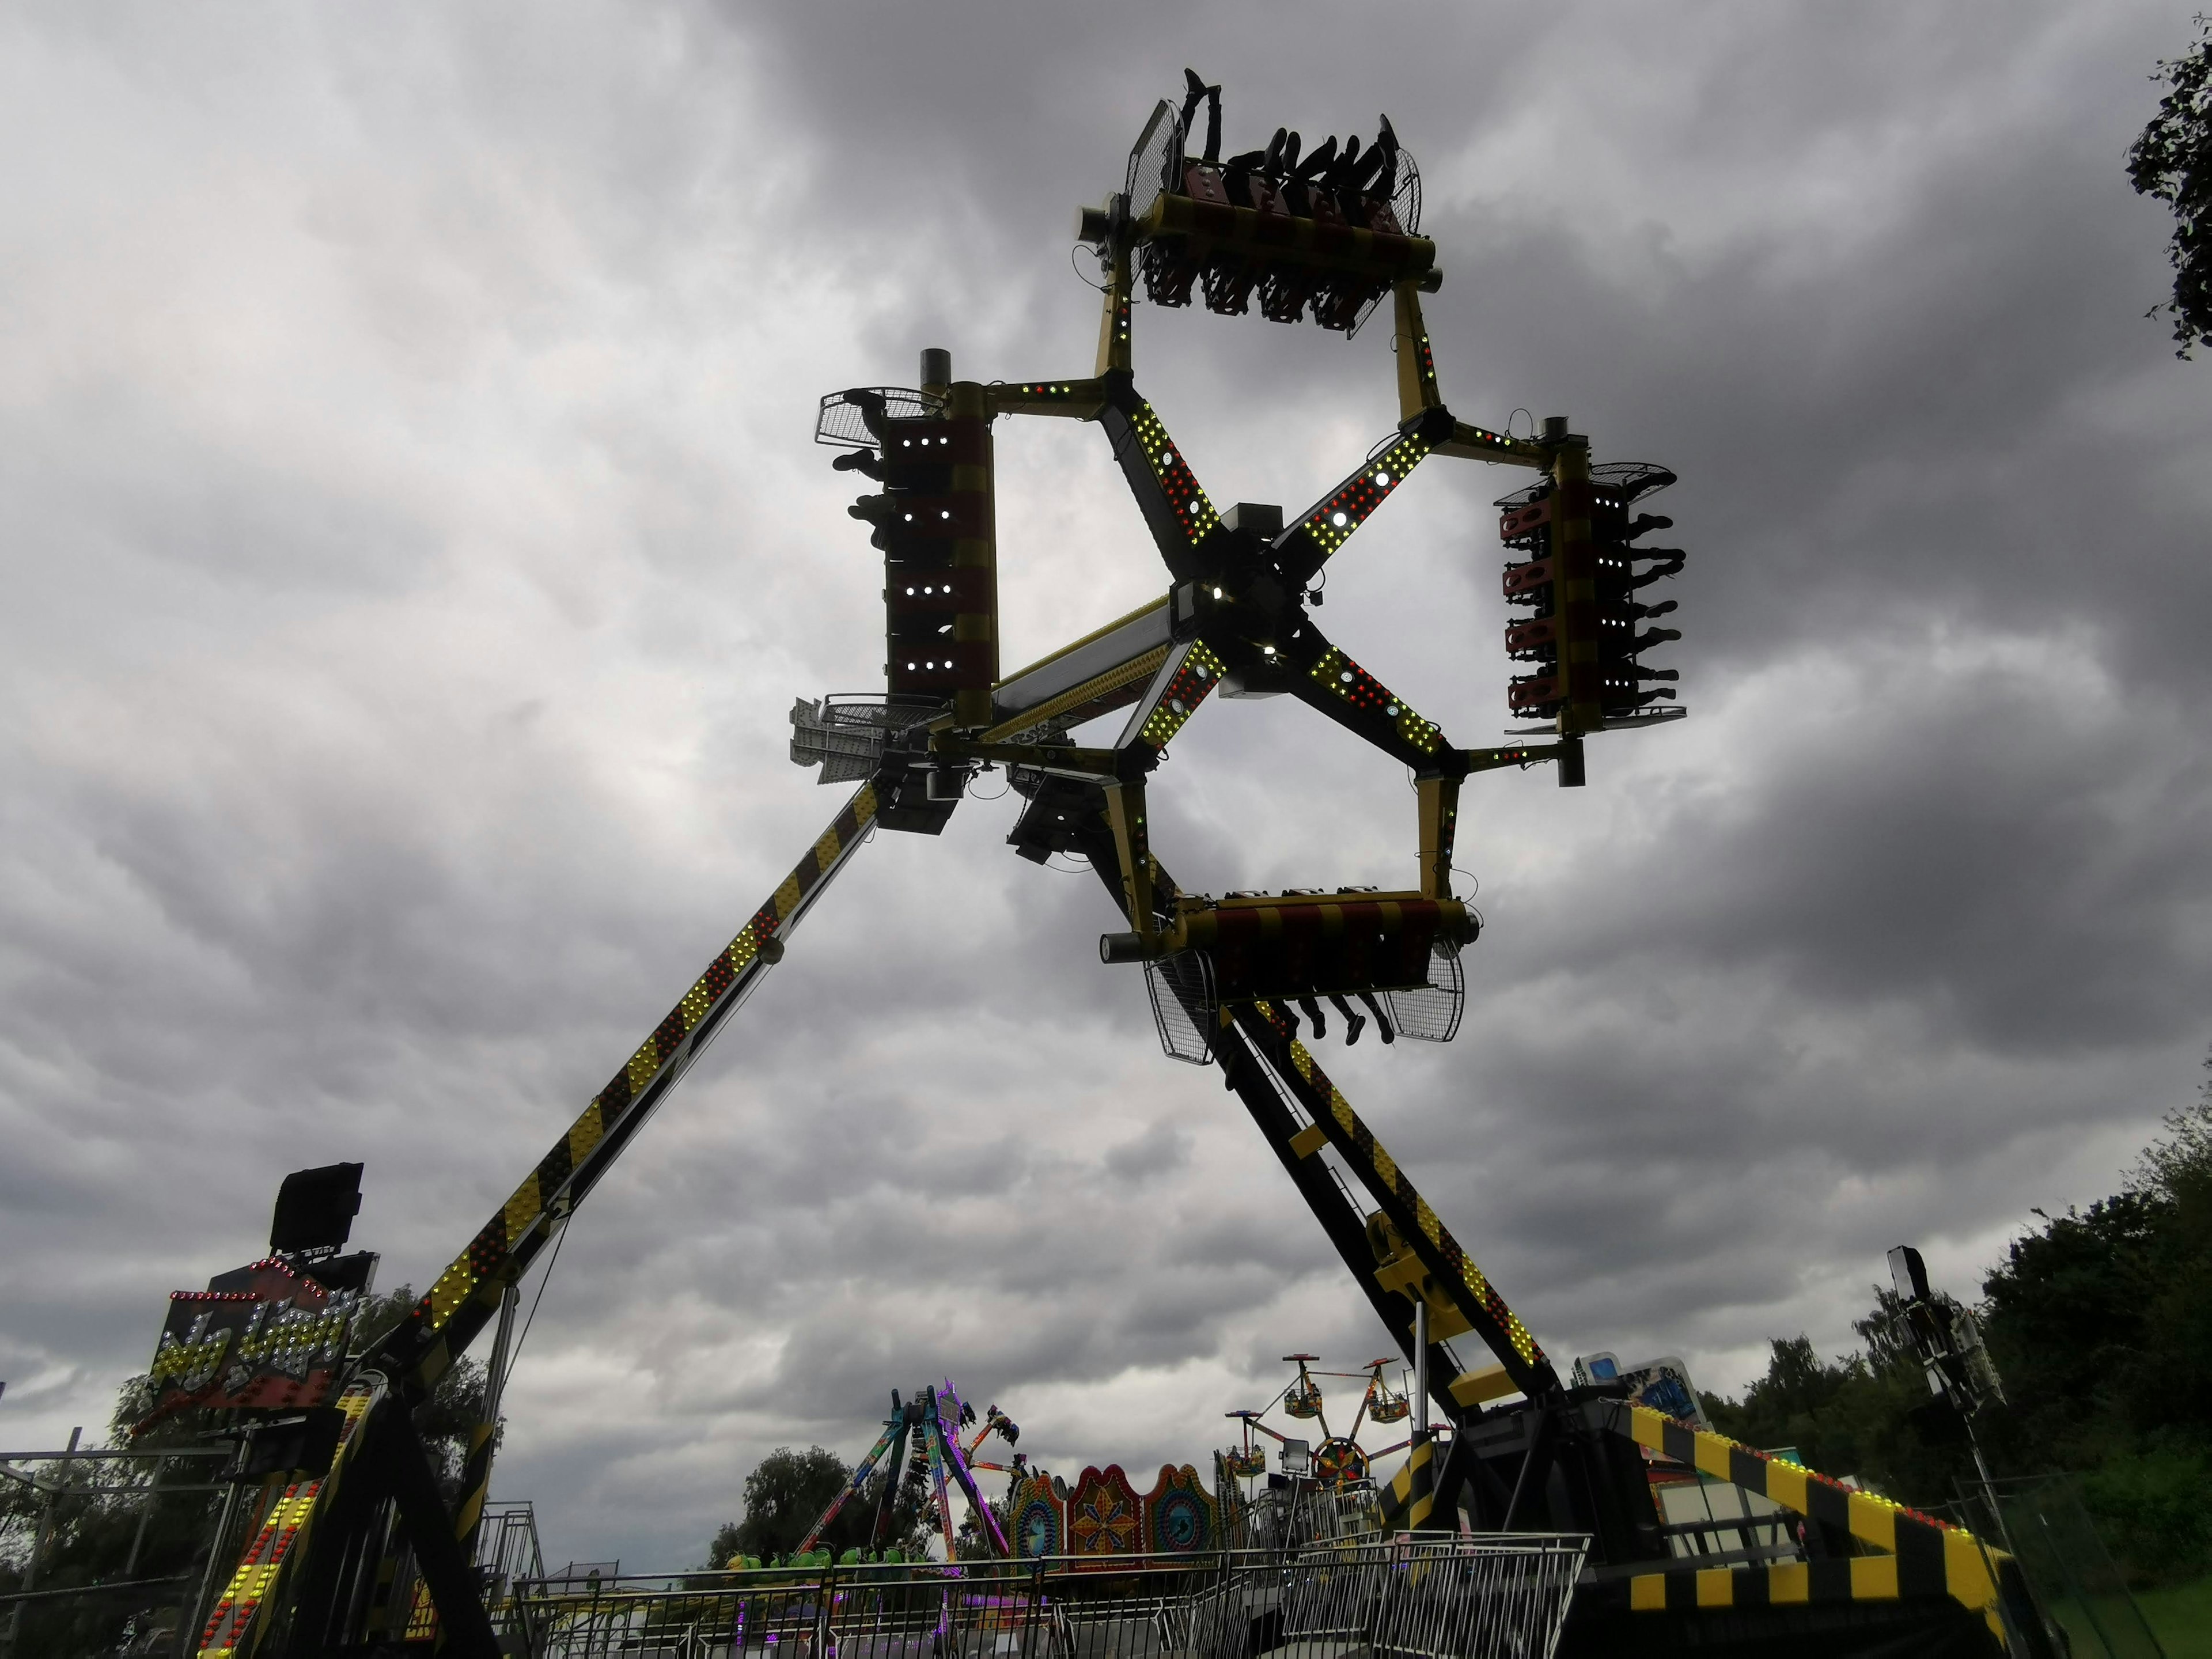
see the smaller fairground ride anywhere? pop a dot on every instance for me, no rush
(922, 1437)
(1339, 1460)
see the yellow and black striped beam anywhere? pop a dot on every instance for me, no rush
(1920, 1556)
(1410, 1497)
(1450, 1267)
(466, 1295)
(235, 1625)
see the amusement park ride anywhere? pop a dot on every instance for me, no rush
(1340, 1459)
(933, 1420)
(1331, 234)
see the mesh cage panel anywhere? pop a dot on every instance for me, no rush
(1432, 1014)
(1406, 200)
(1629, 478)
(1184, 1008)
(843, 421)
(845, 734)
(1632, 478)
(1151, 162)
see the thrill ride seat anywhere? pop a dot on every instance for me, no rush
(1599, 576)
(1326, 237)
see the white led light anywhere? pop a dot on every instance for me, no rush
(1217, 592)
(1337, 519)
(1346, 676)
(1382, 477)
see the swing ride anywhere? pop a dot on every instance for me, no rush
(1339, 1460)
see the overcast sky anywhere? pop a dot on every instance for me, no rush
(413, 542)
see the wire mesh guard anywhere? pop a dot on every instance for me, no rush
(845, 734)
(1483, 1597)
(1186, 1007)
(1153, 160)
(1406, 200)
(1628, 479)
(844, 417)
(1431, 1013)
(1185, 1010)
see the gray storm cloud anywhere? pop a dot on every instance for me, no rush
(413, 541)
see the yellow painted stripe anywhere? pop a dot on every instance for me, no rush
(452, 1289)
(1874, 1578)
(522, 1209)
(1789, 1581)
(1966, 1570)
(585, 1133)
(465, 1519)
(1647, 1592)
(1716, 1587)
(1785, 1485)
(1713, 1455)
(826, 850)
(1875, 1520)
(787, 899)
(1482, 1384)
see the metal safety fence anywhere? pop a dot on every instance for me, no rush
(1501, 1596)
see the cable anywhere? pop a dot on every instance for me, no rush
(515, 1352)
(1086, 280)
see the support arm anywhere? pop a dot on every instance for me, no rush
(466, 1296)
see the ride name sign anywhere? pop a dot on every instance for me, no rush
(264, 1335)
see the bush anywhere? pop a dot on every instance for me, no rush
(2154, 1509)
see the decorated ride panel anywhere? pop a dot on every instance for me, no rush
(1181, 1516)
(1104, 1515)
(1037, 1518)
(1338, 1461)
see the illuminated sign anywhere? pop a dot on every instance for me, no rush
(265, 1335)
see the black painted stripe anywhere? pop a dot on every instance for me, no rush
(1828, 1504)
(1920, 1566)
(1747, 1469)
(1829, 1581)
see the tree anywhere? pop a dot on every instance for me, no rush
(788, 1492)
(2099, 1321)
(2171, 162)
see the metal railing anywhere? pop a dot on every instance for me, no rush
(1466, 1597)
